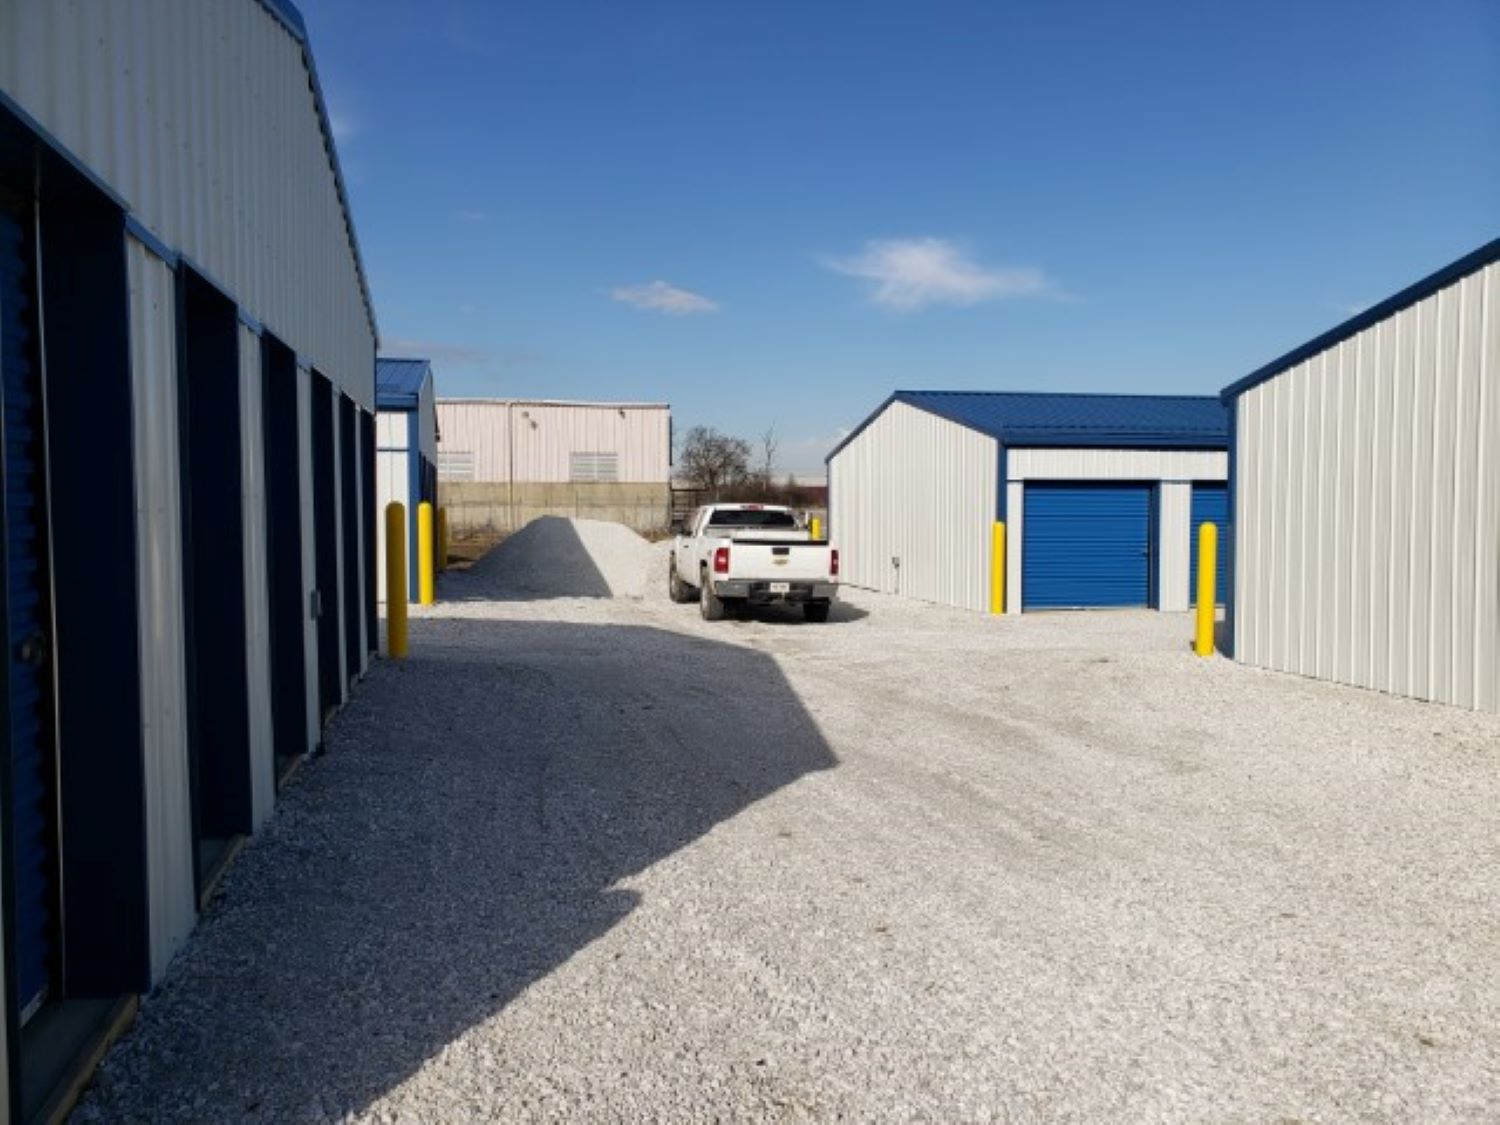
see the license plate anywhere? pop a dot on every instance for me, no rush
(781, 587)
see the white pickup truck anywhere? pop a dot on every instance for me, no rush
(752, 554)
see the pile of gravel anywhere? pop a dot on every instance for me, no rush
(556, 557)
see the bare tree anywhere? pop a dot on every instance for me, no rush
(769, 444)
(713, 461)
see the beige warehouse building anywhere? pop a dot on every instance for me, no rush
(504, 462)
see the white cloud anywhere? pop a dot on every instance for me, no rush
(912, 273)
(662, 297)
(472, 215)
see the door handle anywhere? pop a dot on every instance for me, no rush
(33, 650)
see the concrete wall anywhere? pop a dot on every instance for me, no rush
(498, 508)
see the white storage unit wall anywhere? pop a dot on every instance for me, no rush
(176, 251)
(1366, 492)
(406, 453)
(910, 506)
(915, 491)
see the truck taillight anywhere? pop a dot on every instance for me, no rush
(833, 563)
(721, 561)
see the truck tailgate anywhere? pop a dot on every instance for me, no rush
(780, 562)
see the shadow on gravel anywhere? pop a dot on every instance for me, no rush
(462, 838)
(545, 559)
(841, 613)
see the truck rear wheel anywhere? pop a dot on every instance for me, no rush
(710, 605)
(816, 612)
(678, 590)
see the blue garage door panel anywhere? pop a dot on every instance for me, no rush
(1086, 546)
(1210, 505)
(31, 877)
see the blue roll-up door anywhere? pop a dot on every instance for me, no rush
(1210, 505)
(33, 841)
(1086, 546)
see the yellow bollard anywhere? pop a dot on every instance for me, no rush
(442, 540)
(395, 580)
(815, 528)
(426, 585)
(1208, 588)
(997, 570)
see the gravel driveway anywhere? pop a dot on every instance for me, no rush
(594, 859)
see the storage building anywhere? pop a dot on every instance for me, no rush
(504, 462)
(187, 383)
(1100, 495)
(1367, 497)
(405, 453)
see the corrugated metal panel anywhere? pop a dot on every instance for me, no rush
(257, 587)
(546, 434)
(391, 429)
(201, 115)
(1174, 546)
(1087, 545)
(336, 437)
(169, 835)
(1367, 533)
(921, 489)
(427, 421)
(309, 553)
(1117, 464)
(392, 485)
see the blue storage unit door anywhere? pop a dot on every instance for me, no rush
(1210, 505)
(1086, 546)
(33, 878)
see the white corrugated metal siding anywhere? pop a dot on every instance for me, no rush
(169, 818)
(1174, 546)
(309, 552)
(257, 584)
(919, 488)
(201, 116)
(335, 436)
(1117, 464)
(1367, 522)
(546, 434)
(427, 425)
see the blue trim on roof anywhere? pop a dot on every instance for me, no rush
(1469, 263)
(1095, 421)
(399, 382)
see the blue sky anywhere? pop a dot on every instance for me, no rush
(779, 212)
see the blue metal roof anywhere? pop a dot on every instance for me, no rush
(1469, 263)
(398, 382)
(1053, 419)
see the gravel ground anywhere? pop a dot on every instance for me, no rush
(591, 858)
